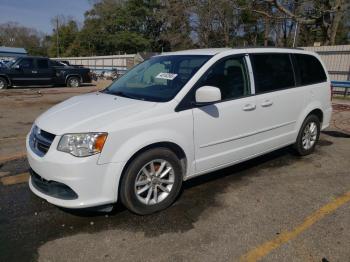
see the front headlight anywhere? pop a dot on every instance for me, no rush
(83, 144)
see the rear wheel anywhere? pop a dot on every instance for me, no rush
(3, 83)
(151, 182)
(308, 135)
(73, 81)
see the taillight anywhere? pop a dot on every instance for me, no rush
(331, 87)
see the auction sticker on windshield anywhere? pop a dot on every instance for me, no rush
(167, 76)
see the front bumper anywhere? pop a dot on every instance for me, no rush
(93, 183)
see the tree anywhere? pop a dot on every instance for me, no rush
(113, 26)
(64, 34)
(326, 14)
(14, 35)
(176, 29)
(217, 23)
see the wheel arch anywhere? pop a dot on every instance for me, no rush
(7, 79)
(179, 152)
(315, 109)
(318, 112)
(73, 75)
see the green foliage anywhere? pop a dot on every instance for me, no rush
(67, 33)
(113, 27)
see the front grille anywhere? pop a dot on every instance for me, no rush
(40, 141)
(52, 188)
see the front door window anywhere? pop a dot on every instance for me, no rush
(230, 76)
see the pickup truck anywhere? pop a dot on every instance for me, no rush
(41, 71)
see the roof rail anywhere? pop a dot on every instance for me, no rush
(257, 47)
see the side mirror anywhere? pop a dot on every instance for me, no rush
(17, 67)
(207, 95)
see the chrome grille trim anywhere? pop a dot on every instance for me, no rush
(40, 141)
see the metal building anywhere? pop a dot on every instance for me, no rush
(11, 52)
(103, 63)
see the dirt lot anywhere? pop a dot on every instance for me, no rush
(277, 207)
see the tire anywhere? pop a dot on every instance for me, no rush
(165, 162)
(3, 83)
(307, 139)
(73, 81)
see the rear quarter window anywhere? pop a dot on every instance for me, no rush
(310, 69)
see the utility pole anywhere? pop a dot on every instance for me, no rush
(295, 34)
(57, 42)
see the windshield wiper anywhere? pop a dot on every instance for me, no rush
(123, 94)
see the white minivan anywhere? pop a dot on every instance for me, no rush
(173, 117)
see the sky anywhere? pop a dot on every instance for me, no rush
(38, 13)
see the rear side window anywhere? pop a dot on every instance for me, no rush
(43, 63)
(310, 69)
(272, 72)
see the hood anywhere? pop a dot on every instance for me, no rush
(92, 112)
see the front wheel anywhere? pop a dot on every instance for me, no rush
(308, 136)
(151, 182)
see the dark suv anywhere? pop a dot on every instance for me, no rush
(41, 71)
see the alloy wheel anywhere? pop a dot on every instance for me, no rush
(74, 82)
(309, 135)
(154, 182)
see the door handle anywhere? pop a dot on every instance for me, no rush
(249, 107)
(267, 103)
(34, 72)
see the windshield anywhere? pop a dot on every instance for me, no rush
(158, 79)
(10, 63)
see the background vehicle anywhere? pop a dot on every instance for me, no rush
(41, 71)
(109, 74)
(174, 117)
(3, 62)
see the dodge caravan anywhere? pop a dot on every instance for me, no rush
(173, 117)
